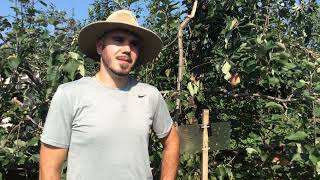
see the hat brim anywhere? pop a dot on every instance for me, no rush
(151, 44)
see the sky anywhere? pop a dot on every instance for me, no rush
(80, 7)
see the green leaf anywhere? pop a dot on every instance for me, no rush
(277, 117)
(71, 67)
(297, 136)
(170, 104)
(273, 80)
(269, 45)
(309, 65)
(281, 45)
(190, 117)
(284, 55)
(10, 150)
(167, 72)
(316, 111)
(299, 148)
(317, 141)
(74, 55)
(226, 68)
(227, 76)
(200, 97)
(264, 157)
(82, 70)
(16, 10)
(233, 23)
(230, 174)
(251, 151)
(13, 62)
(19, 142)
(297, 157)
(196, 87)
(275, 167)
(21, 160)
(190, 88)
(290, 65)
(317, 87)
(33, 142)
(52, 73)
(301, 83)
(53, 21)
(259, 39)
(318, 168)
(34, 158)
(227, 38)
(314, 159)
(189, 163)
(43, 3)
(274, 106)
(250, 25)
(221, 171)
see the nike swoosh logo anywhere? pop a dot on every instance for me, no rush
(141, 95)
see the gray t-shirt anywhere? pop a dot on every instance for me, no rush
(106, 130)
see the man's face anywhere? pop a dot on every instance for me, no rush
(119, 51)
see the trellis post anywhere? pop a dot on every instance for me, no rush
(205, 144)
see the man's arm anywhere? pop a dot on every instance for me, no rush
(170, 155)
(51, 160)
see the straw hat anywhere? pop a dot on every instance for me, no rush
(151, 44)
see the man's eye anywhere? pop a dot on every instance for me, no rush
(135, 44)
(118, 39)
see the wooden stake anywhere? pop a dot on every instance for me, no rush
(205, 144)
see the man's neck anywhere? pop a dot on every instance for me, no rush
(112, 80)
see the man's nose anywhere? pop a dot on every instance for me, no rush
(126, 47)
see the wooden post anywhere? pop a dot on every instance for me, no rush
(205, 144)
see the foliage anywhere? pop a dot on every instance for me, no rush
(38, 52)
(100, 9)
(255, 64)
(252, 63)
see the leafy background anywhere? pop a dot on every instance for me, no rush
(252, 63)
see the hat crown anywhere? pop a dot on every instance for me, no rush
(123, 16)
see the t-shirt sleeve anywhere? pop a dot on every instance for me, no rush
(57, 128)
(162, 121)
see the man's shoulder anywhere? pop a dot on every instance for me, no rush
(76, 86)
(146, 88)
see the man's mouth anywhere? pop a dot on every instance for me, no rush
(124, 59)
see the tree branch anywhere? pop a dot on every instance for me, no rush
(180, 44)
(27, 70)
(16, 101)
(170, 43)
(258, 95)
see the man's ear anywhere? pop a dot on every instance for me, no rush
(99, 47)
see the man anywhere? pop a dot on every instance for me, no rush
(102, 123)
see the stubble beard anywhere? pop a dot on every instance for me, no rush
(125, 69)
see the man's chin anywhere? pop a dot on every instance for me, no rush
(120, 72)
